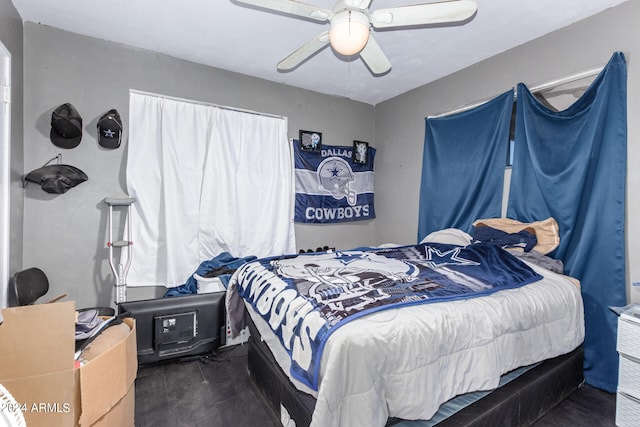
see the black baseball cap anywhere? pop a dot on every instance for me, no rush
(66, 126)
(110, 129)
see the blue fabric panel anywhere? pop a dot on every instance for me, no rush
(463, 166)
(571, 165)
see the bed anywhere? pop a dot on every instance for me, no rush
(394, 355)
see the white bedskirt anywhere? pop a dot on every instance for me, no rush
(406, 362)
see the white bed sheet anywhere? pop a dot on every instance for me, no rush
(406, 362)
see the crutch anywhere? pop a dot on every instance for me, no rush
(121, 271)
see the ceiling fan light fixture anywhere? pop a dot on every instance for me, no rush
(349, 32)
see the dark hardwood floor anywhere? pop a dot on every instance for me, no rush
(202, 391)
(217, 391)
(588, 407)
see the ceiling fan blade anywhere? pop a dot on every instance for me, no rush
(358, 4)
(304, 52)
(420, 14)
(292, 7)
(375, 58)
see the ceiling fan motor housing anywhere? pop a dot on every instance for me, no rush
(349, 32)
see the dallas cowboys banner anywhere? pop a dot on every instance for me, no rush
(304, 298)
(330, 187)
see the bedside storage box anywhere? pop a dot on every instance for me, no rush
(627, 410)
(628, 346)
(629, 337)
(629, 376)
(37, 346)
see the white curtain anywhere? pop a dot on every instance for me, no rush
(206, 180)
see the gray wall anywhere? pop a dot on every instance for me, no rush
(584, 45)
(11, 37)
(65, 234)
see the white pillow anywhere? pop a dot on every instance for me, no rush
(389, 245)
(452, 236)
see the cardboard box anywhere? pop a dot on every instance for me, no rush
(37, 346)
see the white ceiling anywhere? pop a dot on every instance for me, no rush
(226, 35)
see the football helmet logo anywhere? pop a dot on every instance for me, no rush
(335, 176)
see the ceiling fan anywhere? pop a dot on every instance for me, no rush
(351, 21)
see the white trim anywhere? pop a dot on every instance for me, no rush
(209, 104)
(537, 88)
(568, 79)
(5, 167)
(5, 95)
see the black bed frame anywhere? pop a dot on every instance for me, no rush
(518, 403)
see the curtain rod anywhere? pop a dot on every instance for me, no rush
(208, 104)
(538, 88)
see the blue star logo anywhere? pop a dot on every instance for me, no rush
(109, 133)
(334, 172)
(346, 258)
(436, 258)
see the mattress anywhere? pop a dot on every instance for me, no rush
(520, 400)
(406, 362)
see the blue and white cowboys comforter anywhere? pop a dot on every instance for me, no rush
(403, 356)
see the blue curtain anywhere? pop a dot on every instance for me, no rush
(571, 165)
(463, 166)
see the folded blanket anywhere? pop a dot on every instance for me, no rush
(523, 239)
(547, 231)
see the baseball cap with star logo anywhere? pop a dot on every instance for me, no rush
(110, 129)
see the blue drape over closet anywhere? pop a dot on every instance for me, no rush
(571, 165)
(463, 166)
